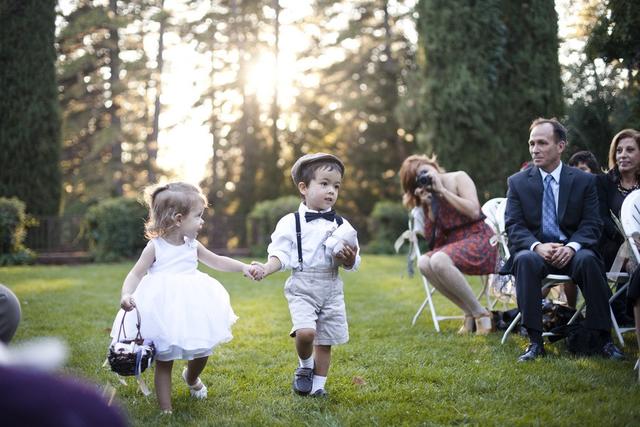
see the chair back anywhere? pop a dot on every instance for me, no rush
(489, 210)
(494, 210)
(630, 219)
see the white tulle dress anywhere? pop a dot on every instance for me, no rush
(184, 311)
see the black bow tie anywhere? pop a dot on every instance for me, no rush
(329, 216)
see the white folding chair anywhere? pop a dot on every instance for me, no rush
(630, 224)
(410, 235)
(497, 288)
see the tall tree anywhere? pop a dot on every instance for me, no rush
(616, 37)
(106, 90)
(602, 88)
(354, 109)
(481, 96)
(152, 138)
(30, 124)
(529, 84)
(234, 33)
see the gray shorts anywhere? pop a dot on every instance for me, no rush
(316, 301)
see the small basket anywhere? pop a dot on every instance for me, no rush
(131, 356)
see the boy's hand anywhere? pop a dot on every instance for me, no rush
(347, 256)
(127, 303)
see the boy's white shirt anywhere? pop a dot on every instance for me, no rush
(314, 235)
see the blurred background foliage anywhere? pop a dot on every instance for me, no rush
(376, 80)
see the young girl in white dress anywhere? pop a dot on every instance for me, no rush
(184, 311)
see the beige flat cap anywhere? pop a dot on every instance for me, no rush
(307, 159)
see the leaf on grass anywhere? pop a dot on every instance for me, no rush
(358, 381)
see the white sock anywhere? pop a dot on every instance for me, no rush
(318, 383)
(306, 363)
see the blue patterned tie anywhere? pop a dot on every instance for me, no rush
(550, 231)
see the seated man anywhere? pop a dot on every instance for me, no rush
(553, 224)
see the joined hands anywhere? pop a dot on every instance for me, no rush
(254, 271)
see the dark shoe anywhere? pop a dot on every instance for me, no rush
(610, 351)
(303, 380)
(532, 352)
(320, 393)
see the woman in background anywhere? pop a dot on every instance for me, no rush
(622, 178)
(447, 212)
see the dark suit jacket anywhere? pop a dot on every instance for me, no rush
(578, 210)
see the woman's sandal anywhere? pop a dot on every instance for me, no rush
(484, 324)
(198, 390)
(468, 326)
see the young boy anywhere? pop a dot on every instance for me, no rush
(313, 242)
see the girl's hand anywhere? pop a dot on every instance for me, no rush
(127, 303)
(254, 271)
(347, 256)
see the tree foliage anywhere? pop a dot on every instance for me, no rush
(30, 124)
(107, 88)
(235, 33)
(604, 93)
(356, 110)
(491, 67)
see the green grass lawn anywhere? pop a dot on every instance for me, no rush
(390, 373)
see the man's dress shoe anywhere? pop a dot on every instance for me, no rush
(532, 352)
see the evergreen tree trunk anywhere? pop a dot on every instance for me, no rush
(114, 109)
(152, 141)
(272, 175)
(29, 111)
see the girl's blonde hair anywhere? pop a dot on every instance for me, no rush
(167, 201)
(408, 173)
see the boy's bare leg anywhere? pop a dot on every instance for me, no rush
(162, 380)
(304, 342)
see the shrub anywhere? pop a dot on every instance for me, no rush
(13, 224)
(263, 218)
(115, 229)
(387, 221)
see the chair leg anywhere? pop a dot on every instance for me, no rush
(616, 328)
(428, 300)
(576, 314)
(510, 328)
(422, 306)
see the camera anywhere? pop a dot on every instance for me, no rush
(424, 179)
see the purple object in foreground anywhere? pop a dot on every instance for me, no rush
(33, 398)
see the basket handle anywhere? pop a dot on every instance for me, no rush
(122, 331)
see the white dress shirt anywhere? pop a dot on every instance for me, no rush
(284, 245)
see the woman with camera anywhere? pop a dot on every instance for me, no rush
(447, 212)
